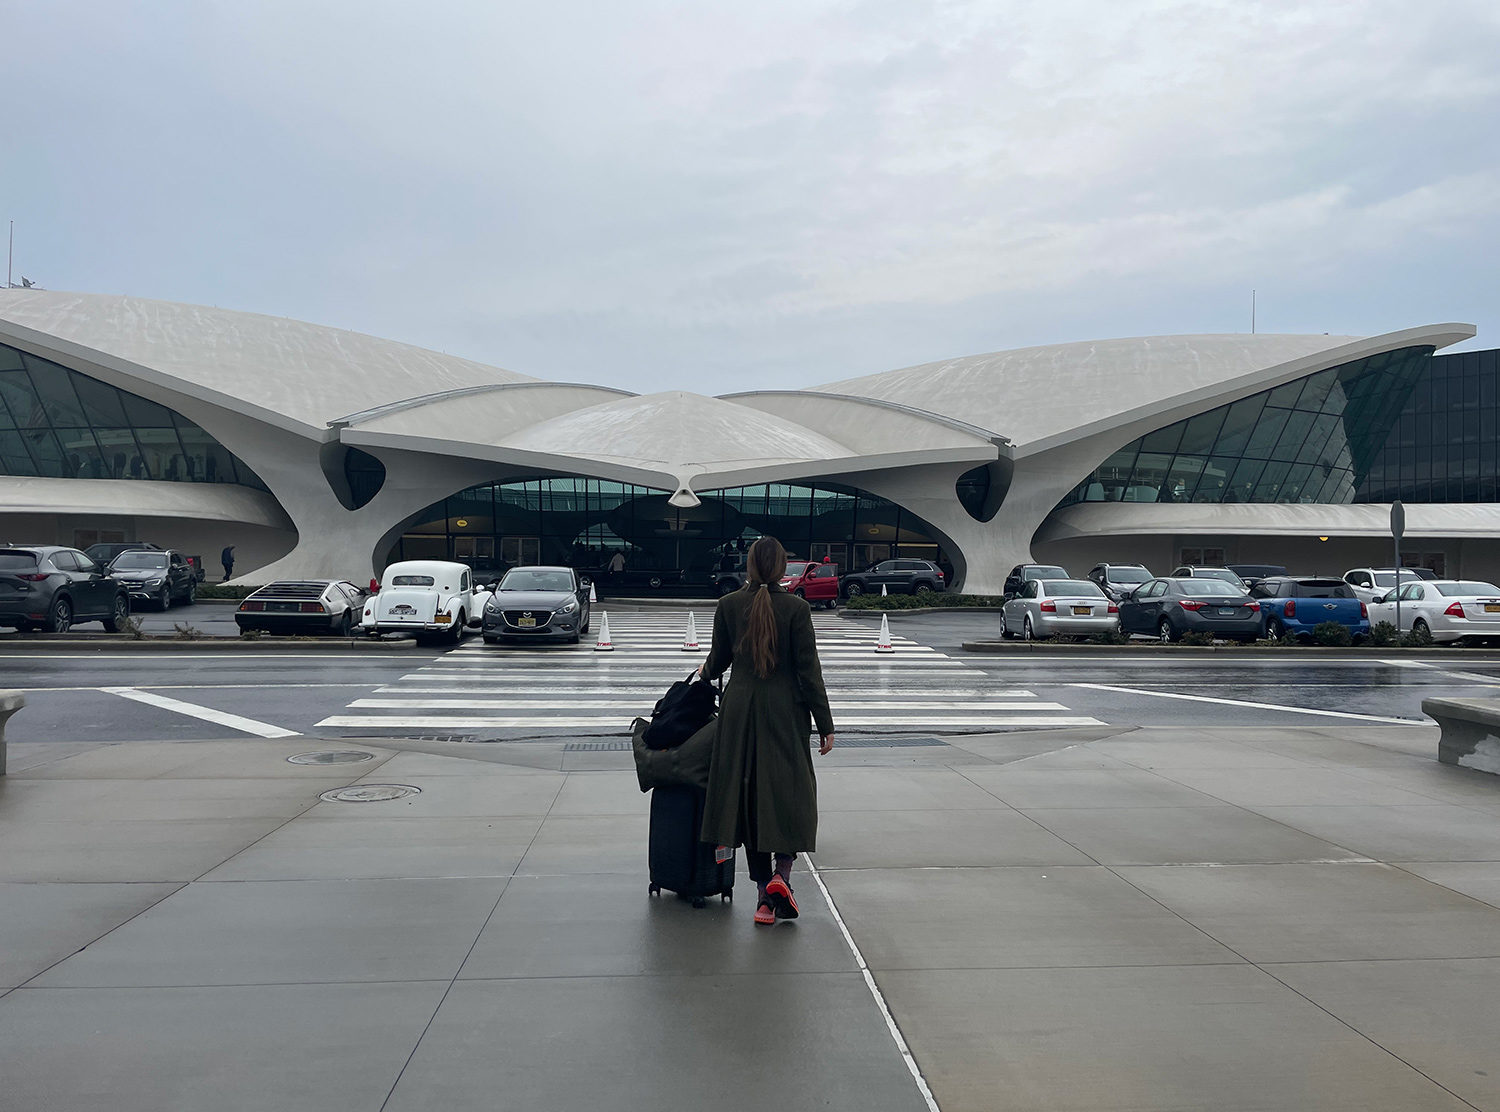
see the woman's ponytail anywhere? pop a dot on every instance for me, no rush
(766, 564)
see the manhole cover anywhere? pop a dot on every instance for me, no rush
(332, 757)
(369, 793)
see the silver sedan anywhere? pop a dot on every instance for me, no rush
(1059, 607)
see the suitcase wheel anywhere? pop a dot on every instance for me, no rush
(654, 889)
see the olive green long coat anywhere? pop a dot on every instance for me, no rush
(762, 792)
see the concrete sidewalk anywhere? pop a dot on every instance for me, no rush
(1103, 919)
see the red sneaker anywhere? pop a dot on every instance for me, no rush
(765, 915)
(779, 892)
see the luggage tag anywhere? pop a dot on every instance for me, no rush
(723, 854)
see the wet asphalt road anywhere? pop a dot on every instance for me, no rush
(77, 696)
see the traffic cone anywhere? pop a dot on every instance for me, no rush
(603, 645)
(690, 639)
(884, 644)
(883, 592)
(593, 595)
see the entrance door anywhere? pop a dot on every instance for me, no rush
(518, 552)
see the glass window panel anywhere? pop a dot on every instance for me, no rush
(55, 390)
(14, 458)
(1238, 423)
(206, 460)
(10, 359)
(1316, 390)
(1201, 433)
(1285, 396)
(1242, 484)
(1267, 431)
(1214, 485)
(1182, 478)
(1268, 489)
(20, 398)
(122, 457)
(1292, 487)
(1321, 438)
(143, 414)
(1149, 476)
(1292, 435)
(5, 418)
(161, 452)
(1163, 441)
(81, 455)
(101, 403)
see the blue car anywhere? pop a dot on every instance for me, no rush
(1291, 606)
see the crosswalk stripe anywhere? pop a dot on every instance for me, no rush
(634, 704)
(549, 721)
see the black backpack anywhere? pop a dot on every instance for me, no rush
(686, 708)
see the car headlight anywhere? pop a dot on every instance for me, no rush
(492, 604)
(571, 606)
(154, 582)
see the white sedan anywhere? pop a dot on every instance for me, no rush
(1449, 609)
(1058, 607)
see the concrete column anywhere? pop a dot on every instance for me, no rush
(10, 702)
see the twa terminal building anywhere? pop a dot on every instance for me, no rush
(318, 452)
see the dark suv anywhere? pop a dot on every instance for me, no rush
(158, 577)
(1022, 574)
(104, 554)
(896, 576)
(47, 587)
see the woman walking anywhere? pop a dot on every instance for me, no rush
(762, 793)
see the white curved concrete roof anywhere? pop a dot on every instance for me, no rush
(142, 498)
(1032, 395)
(305, 374)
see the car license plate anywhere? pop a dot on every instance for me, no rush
(283, 606)
(526, 623)
(401, 610)
(1226, 610)
(1492, 608)
(1083, 611)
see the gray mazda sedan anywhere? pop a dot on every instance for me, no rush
(537, 604)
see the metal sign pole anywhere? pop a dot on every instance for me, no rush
(1398, 527)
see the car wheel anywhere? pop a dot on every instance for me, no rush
(60, 617)
(917, 587)
(456, 634)
(1420, 628)
(192, 592)
(1027, 633)
(164, 600)
(1166, 633)
(118, 616)
(346, 627)
(1275, 630)
(854, 590)
(831, 604)
(654, 582)
(800, 593)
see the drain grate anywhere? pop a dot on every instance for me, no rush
(331, 757)
(598, 747)
(369, 793)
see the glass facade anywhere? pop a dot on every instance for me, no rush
(365, 475)
(583, 522)
(58, 423)
(1316, 439)
(1443, 447)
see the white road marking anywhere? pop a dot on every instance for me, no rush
(1248, 703)
(548, 720)
(635, 704)
(208, 714)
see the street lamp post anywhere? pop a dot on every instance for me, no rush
(1398, 527)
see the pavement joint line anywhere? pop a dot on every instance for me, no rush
(885, 1011)
(1251, 704)
(207, 714)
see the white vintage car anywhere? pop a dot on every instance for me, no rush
(424, 598)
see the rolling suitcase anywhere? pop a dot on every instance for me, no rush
(679, 861)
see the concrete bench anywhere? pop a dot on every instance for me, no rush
(1471, 731)
(10, 702)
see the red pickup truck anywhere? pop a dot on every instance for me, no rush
(817, 583)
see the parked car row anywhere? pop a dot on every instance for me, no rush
(821, 582)
(52, 587)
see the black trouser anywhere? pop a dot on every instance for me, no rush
(760, 864)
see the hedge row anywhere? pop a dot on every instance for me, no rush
(924, 599)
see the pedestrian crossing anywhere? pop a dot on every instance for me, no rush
(543, 689)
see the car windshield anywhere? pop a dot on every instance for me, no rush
(524, 579)
(128, 560)
(1224, 575)
(1323, 588)
(1071, 588)
(1209, 588)
(794, 570)
(17, 561)
(411, 581)
(1044, 572)
(1128, 575)
(1388, 578)
(1467, 587)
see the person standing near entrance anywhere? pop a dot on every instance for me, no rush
(227, 559)
(762, 791)
(616, 566)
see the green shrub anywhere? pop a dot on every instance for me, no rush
(1110, 637)
(1332, 634)
(1420, 637)
(1382, 634)
(224, 590)
(1196, 637)
(924, 599)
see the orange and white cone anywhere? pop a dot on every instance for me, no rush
(593, 595)
(690, 639)
(604, 645)
(884, 644)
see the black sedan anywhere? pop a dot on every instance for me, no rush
(537, 604)
(300, 606)
(1168, 608)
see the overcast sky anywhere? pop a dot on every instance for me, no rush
(716, 197)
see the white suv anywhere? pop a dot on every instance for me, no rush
(1372, 584)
